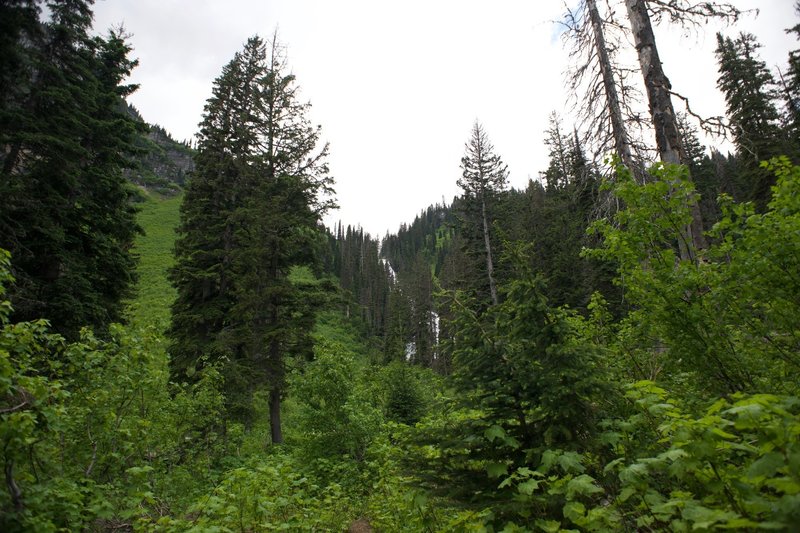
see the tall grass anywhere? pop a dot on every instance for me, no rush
(151, 306)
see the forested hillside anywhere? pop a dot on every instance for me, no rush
(184, 346)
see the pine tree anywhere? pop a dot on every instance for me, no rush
(19, 31)
(749, 90)
(250, 216)
(557, 174)
(66, 213)
(701, 168)
(203, 272)
(791, 90)
(483, 177)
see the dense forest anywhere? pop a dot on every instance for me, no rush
(184, 345)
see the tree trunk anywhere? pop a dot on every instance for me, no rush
(11, 160)
(275, 416)
(13, 488)
(665, 123)
(622, 142)
(489, 264)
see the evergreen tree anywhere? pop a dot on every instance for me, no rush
(66, 213)
(749, 90)
(250, 216)
(791, 89)
(203, 272)
(557, 174)
(484, 176)
(20, 30)
(522, 370)
(701, 168)
(363, 276)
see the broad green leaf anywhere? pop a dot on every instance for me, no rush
(703, 517)
(497, 469)
(575, 511)
(765, 466)
(494, 432)
(582, 485)
(739, 524)
(548, 526)
(785, 485)
(626, 493)
(610, 466)
(724, 434)
(528, 487)
(571, 462)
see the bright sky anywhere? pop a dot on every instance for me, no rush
(396, 85)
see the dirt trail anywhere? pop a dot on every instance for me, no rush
(360, 526)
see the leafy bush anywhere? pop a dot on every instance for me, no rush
(735, 467)
(268, 494)
(338, 418)
(88, 430)
(725, 320)
(406, 391)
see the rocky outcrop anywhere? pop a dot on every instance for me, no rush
(162, 164)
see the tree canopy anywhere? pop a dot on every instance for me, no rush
(250, 215)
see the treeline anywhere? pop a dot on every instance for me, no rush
(619, 346)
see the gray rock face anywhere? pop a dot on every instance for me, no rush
(163, 163)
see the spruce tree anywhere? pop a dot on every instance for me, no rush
(203, 273)
(484, 176)
(250, 215)
(749, 90)
(66, 214)
(701, 168)
(791, 90)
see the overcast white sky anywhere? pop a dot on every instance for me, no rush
(396, 85)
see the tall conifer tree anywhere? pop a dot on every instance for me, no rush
(484, 175)
(66, 214)
(791, 90)
(251, 214)
(750, 94)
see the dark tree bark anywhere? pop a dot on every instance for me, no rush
(275, 416)
(622, 142)
(665, 122)
(489, 263)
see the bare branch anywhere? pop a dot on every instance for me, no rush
(13, 409)
(695, 14)
(88, 471)
(716, 125)
(21, 394)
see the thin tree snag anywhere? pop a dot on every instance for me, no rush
(622, 143)
(665, 122)
(488, 245)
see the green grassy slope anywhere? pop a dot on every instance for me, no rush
(151, 306)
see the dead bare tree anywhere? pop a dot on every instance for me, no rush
(659, 89)
(599, 85)
(621, 139)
